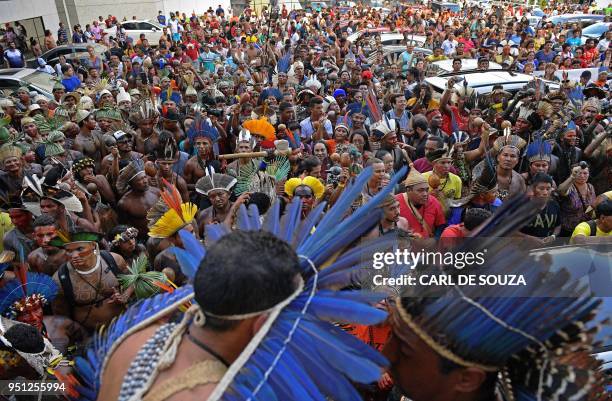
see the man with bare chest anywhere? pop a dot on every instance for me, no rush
(89, 141)
(139, 198)
(89, 290)
(46, 258)
(509, 182)
(166, 156)
(217, 188)
(125, 143)
(147, 136)
(203, 163)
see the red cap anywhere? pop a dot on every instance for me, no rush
(367, 74)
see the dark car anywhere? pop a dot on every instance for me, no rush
(77, 50)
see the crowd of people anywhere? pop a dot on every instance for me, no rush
(149, 150)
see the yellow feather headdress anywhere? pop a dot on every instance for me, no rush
(176, 217)
(318, 189)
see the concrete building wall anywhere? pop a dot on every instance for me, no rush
(17, 10)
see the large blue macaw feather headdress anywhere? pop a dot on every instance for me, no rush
(299, 348)
(524, 331)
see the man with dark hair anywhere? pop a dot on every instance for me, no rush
(598, 230)
(46, 258)
(546, 225)
(399, 113)
(310, 166)
(223, 287)
(473, 217)
(433, 142)
(70, 81)
(316, 126)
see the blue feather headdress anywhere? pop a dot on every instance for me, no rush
(283, 64)
(21, 295)
(523, 331)
(201, 127)
(539, 149)
(299, 348)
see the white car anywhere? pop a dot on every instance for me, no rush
(484, 81)
(444, 66)
(151, 29)
(388, 38)
(595, 31)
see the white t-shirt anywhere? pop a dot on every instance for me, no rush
(174, 25)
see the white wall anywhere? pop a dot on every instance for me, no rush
(14, 10)
(88, 10)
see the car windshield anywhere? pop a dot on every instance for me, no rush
(596, 29)
(41, 80)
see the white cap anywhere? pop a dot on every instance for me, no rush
(123, 96)
(104, 92)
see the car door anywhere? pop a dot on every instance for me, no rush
(131, 30)
(152, 32)
(61, 51)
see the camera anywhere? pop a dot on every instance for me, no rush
(333, 175)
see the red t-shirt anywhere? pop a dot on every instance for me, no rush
(460, 120)
(191, 50)
(431, 212)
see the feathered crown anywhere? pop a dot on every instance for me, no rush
(35, 190)
(260, 127)
(262, 178)
(245, 136)
(128, 173)
(176, 217)
(283, 64)
(508, 139)
(538, 150)
(28, 292)
(8, 150)
(214, 182)
(83, 163)
(592, 103)
(202, 128)
(313, 82)
(144, 110)
(166, 148)
(318, 189)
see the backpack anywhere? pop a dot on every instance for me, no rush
(593, 226)
(66, 283)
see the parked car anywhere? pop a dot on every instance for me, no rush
(151, 29)
(583, 20)
(13, 78)
(483, 81)
(388, 38)
(591, 265)
(71, 52)
(596, 31)
(392, 54)
(446, 66)
(443, 5)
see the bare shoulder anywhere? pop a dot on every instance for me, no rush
(119, 362)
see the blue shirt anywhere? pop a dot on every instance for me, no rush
(403, 120)
(545, 58)
(161, 19)
(71, 83)
(14, 57)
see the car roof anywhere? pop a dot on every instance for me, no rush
(466, 64)
(482, 81)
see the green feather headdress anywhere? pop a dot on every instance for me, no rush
(143, 281)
